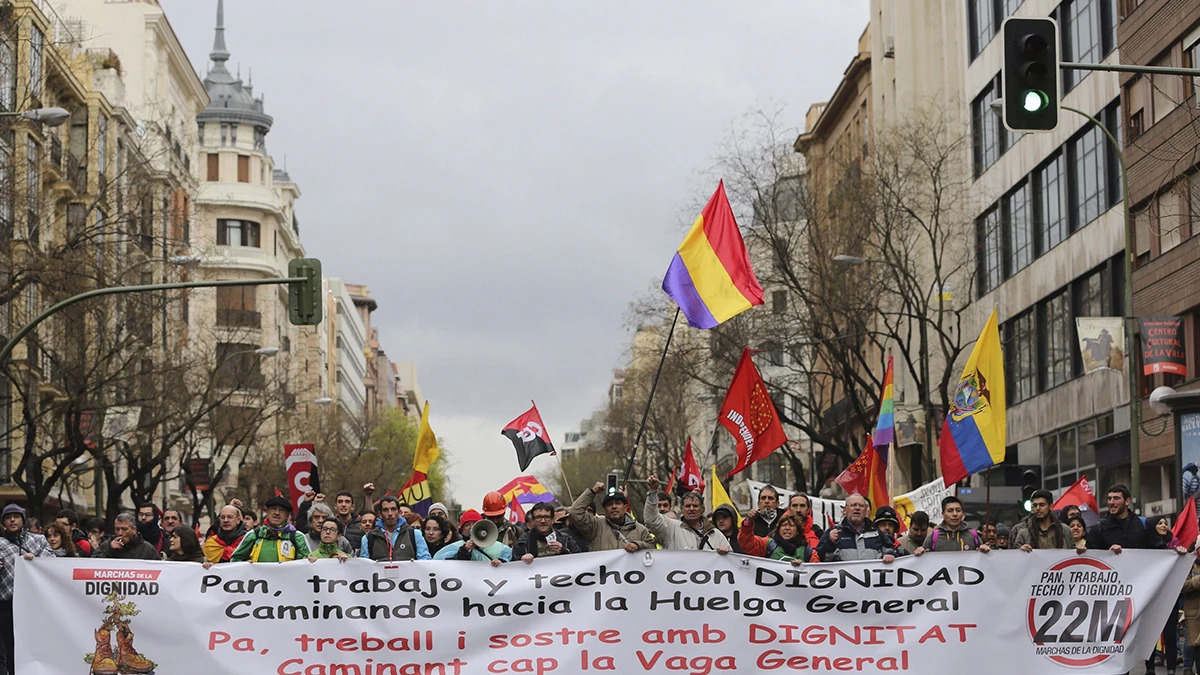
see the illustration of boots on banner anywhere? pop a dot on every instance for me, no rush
(102, 660)
(129, 662)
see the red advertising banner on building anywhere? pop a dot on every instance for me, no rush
(1162, 345)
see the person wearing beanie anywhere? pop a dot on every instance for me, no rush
(886, 521)
(276, 540)
(438, 506)
(128, 544)
(469, 518)
(14, 542)
(1002, 536)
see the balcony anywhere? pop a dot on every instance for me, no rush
(238, 318)
(77, 173)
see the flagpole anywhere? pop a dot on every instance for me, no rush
(646, 412)
(566, 484)
(987, 509)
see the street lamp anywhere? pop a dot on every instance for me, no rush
(324, 400)
(267, 351)
(51, 117)
(850, 260)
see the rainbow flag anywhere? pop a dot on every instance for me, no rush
(526, 490)
(885, 426)
(710, 277)
(973, 435)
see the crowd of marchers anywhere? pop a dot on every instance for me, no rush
(600, 519)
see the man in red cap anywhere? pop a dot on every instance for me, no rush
(494, 509)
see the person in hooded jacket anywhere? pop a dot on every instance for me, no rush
(15, 542)
(787, 543)
(219, 546)
(692, 532)
(614, 530)
(857, 538)
(725, 519)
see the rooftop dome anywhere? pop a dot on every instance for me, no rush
(232, 101)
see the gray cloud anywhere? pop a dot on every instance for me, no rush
(507, 177)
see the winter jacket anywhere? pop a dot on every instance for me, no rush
(196, 557)
(83, 545)
(10, 550)
(573, 532)
(1058, 536)
(677, 535)
(263, 544)
(135, 549)
(1191, 603)
(944, 538)
(764, 527)
(908, 543)
(406, 543)
(732, 536)
(1128, 532)
(535, 545)
(455, 551)
(343, 544)
(323, 551)
(219, 546)
(866, 543)
(602, 535)
(353, 531)
(770, 547)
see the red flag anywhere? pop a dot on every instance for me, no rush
(516, 514)
(528, 436)
(1186, 528)
(1080, 495)
(278, 493)
(865, 476)
(749, 414)
(301, 463)
(687, 477)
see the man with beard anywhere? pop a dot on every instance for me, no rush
(148, 526)
(543, 539)
(1121, 528)
(801, 505)
(220, 545)
(692, 532)
(276, 540)
(918, 527)
(392, 538)
(14, 542)
(768, 511)
(614, 530)
(128, 543)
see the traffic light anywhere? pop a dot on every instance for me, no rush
(304, 297)
(1030, 74)
(1031, 482)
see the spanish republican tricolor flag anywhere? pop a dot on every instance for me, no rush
(710, 277)
(973, 435)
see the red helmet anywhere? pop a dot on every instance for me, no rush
(494, 504)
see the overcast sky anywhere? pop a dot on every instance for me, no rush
(507, 177)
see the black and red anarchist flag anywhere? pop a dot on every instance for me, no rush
(529, 437)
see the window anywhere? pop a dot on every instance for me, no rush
(102, 144)
(1193, 197)
(243, 168)
(986, 131)
(1170, 223)
(778, 302)
(6, 192)
(200, 132)
(1089, 159)
(37, 42)
(233, 134)
(237, 233)
(214, 167)
(982, 18)
(8, 76)
(260, 138)
(1089, 34)
(237, 306)
(224, 134)
(988, 236)
(1021, 352)
(1191, 57)
(1018, 214)
(1053, 209)
(33, 154)
(1058, 340)
(238, 366)
(1067, 453)
(1093, 294)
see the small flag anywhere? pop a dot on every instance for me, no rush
(749, 414)
(1186, 528)
(529, 437)
(865, 476)
(527, 490)
(710, 277)
(885, 426)
(686, 477)
(278, 493)
(516, 514)
(417, 492)
(973, 435)
(1080, 494)
(720, 497)
(301, 463)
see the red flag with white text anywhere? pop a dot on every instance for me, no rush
(749, 414)
(687, 477)
(1080, 494)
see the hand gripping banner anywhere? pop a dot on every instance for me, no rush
(647, 612)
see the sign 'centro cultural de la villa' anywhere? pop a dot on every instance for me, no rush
(652, 612)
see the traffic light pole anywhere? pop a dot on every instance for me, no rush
(6, 352)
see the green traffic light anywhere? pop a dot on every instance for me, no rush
(1028, 505)
(1035, 100)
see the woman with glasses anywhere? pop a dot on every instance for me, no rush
(329, 534)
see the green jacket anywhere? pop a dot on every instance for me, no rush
(262, 544)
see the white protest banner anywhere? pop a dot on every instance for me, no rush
(927, 498)
(824, 511)
(649, 611)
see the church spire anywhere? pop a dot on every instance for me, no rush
(219, 53)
